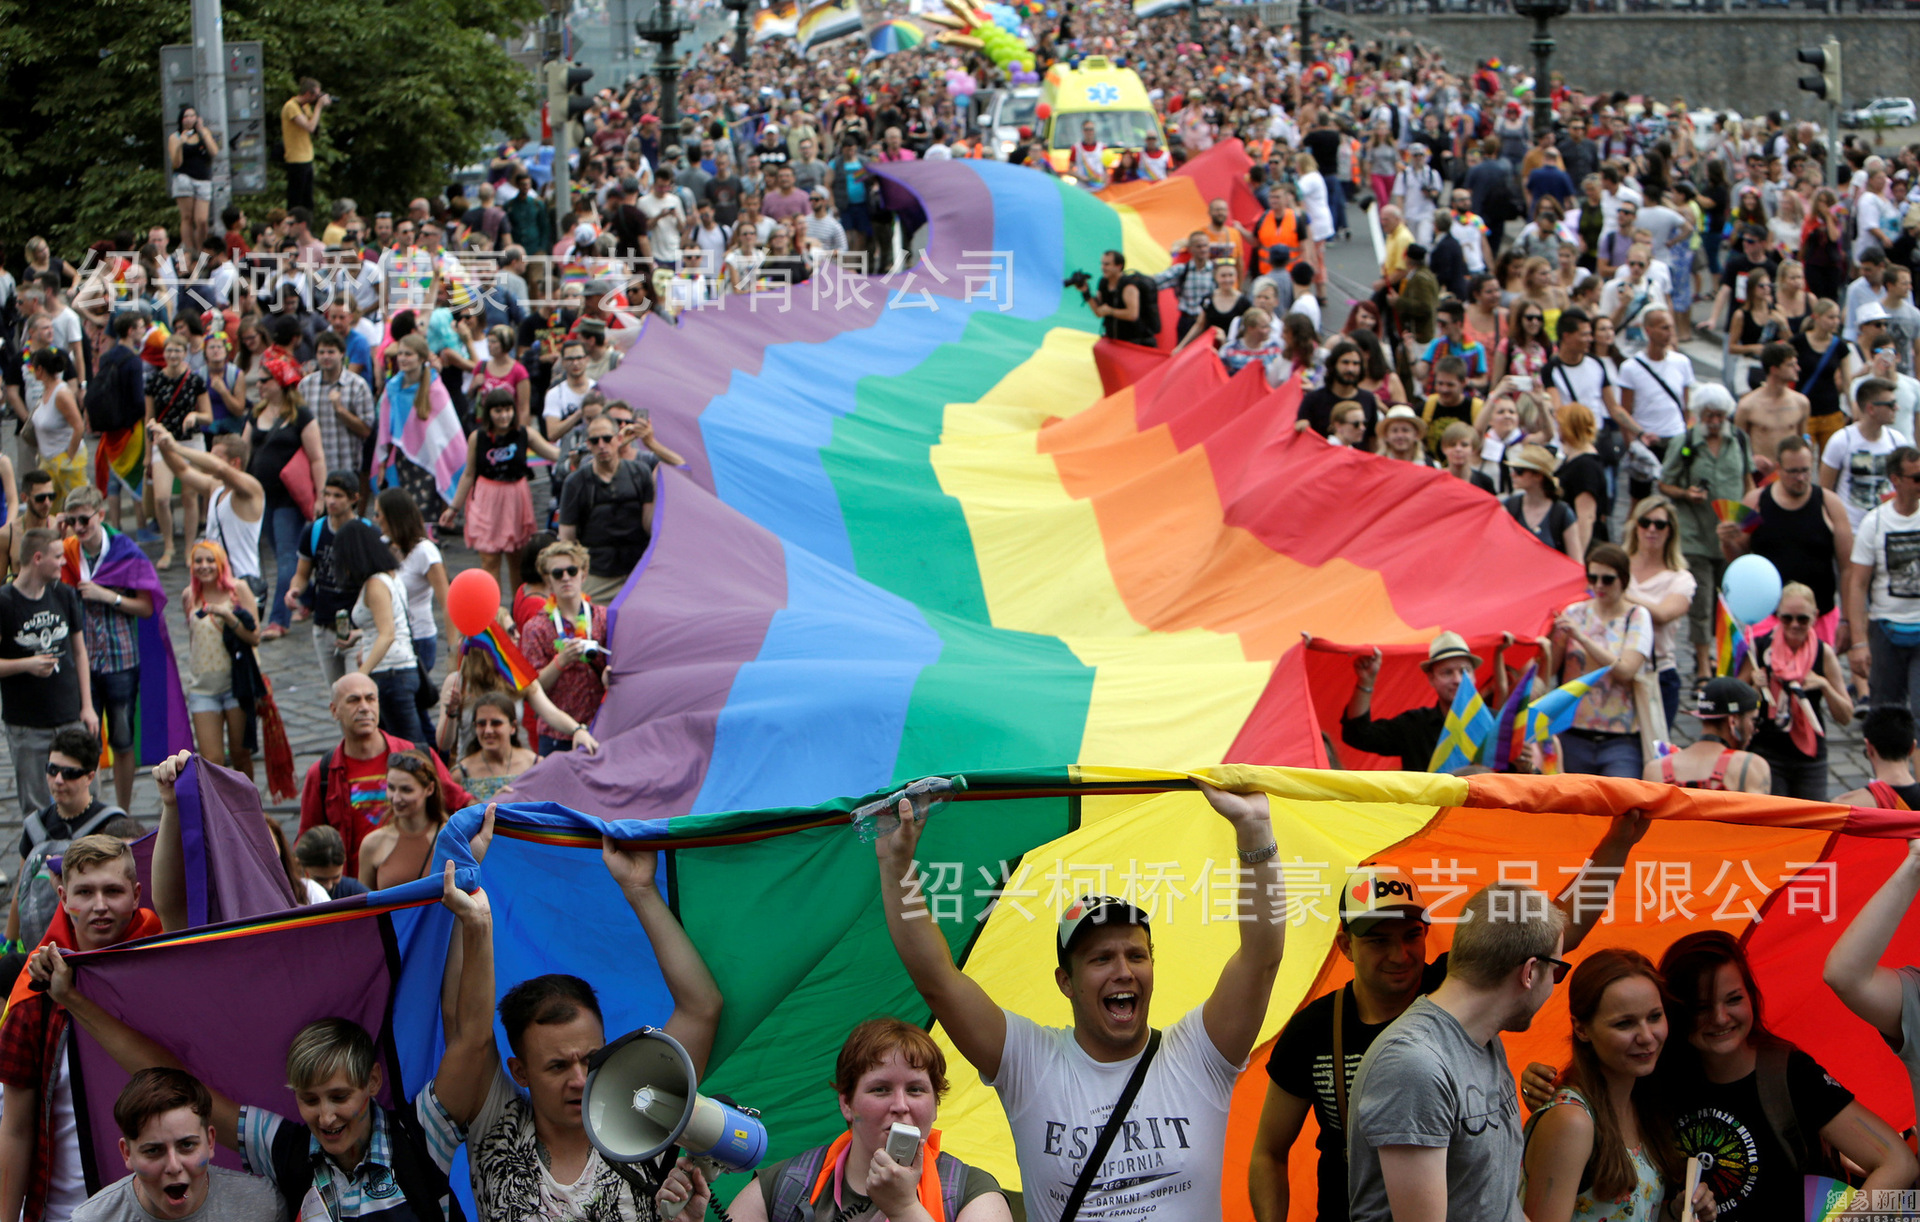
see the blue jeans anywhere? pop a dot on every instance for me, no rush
(1710, 246)
(426, 648)
(398, 713)
(1602, 754)
(1336, 202)
(283, 526)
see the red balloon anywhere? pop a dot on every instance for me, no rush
(473, 599)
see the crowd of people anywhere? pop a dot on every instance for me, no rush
(338, 398)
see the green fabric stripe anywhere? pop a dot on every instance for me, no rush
(792, 931)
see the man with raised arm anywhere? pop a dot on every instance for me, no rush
(1060, 1085)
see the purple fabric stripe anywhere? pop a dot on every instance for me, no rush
(682, 636)
(228, 1010)
(193, 841)
(676, 371)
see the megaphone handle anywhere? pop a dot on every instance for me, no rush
(709, 1168)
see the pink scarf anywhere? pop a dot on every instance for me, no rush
(1793, 712)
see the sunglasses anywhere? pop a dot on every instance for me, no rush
(1882, 403)
(1602, 579)
(597, 441)
(1795, 619)
(76, 521)
(571, 570)
(67, 773)
(40, 498)
(1655, 524)
(1560, 967)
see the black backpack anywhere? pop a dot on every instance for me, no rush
(1149, 304)
(116, 397)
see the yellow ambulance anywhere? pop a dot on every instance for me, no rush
(1112, 99)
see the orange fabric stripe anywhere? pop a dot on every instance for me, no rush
(1165, 208)
(1613, 795)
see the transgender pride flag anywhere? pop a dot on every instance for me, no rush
(435, 443)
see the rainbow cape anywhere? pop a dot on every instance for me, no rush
(162, 726)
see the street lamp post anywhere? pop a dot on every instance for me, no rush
(1193, 19)
(663, 27)
(1306, 34)
(1542, 11)
(740, 32)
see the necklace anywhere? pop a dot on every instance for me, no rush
(582, 623)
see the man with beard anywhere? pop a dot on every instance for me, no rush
(1345, 367)
(1717, 759)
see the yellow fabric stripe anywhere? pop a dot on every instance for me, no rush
(1173, 698)
(1162, 849)
(1144, 254)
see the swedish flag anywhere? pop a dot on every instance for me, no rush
(1554, 711)
(1467, 726)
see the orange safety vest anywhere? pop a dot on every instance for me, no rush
(1274, 229)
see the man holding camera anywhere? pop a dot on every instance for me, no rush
(1127, 303)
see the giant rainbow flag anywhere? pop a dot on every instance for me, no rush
(930, 525)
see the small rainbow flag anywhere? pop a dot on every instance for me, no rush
(1730, 642)
(122, 452)
(507, 658)
(1509, 736)
(1740, 514)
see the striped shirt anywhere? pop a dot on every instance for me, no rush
(370, 1190)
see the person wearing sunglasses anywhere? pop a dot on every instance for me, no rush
(1801, 687)
(608, 505)
(1605, 630)
(73, 812)
(1718, 759)
(37, 496)
(1435, 1116)
(567, 640)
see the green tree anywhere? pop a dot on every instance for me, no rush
(418, 86)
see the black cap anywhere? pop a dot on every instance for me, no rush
(1726, 696)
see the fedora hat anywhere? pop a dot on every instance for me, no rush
(1446, 647)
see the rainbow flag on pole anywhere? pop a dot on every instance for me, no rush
(1730, 639)
(507, 658)
(1509, 735)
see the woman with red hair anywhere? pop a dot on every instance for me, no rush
(889, 1072)
(222, 629)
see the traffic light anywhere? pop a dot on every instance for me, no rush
(1824, 81)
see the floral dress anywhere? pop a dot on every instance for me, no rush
(1642, 1201)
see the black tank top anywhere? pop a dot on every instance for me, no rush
(1770, 741)
(1800, 544)
(195, 161)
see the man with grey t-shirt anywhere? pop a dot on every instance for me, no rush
(1436, 1115)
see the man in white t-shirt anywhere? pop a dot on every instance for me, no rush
(1882, 586)
(1655, 385)
(1059, 1085)
(564, 415)
(1878, 216)
(1575, 376)
(1416, 189)
(666, 216)
(1855, 461)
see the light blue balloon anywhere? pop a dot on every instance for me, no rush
(1752, 588)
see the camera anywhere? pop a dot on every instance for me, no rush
(1079, 280)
